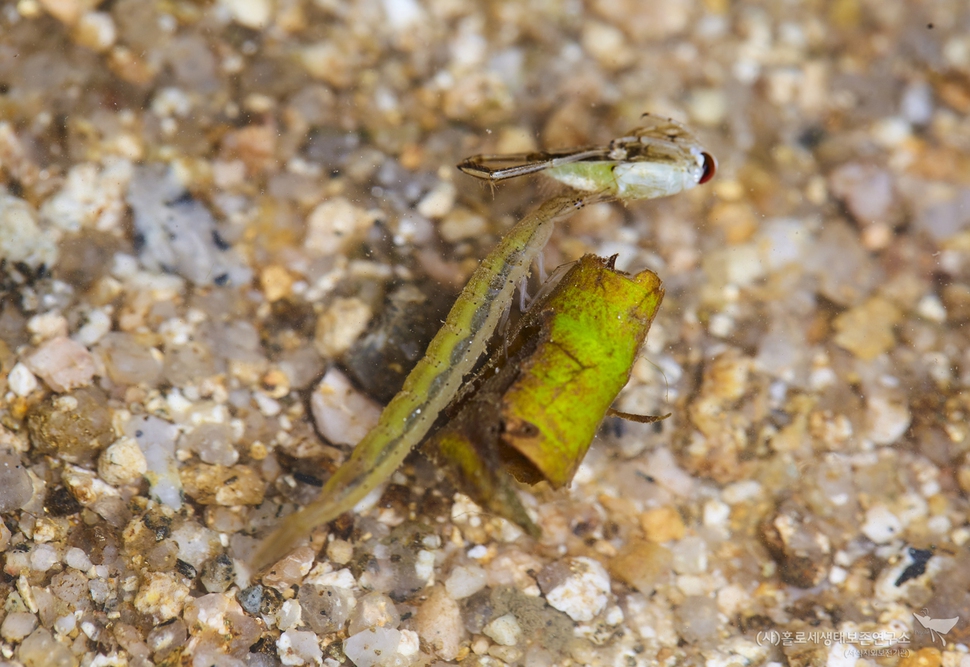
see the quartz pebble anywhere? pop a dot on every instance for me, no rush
(156, 438)
(342, 414)
(161, 596)
(128, 361)
(22, 239)
(298, 647)
(465, 581)
(377, 647)
(179, 232)
(21, 381)
(340, 325)
(326, 608)
(580, 587)
(505, 630)
(122, 462)
(16, 489)
(17, 625)
(40, 649)
(336, 226)
(62, 363)
(373, 609)
(881, 525)
(439, 624)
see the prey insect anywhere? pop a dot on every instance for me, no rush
(658, 159)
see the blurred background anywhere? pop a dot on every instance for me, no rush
(215, 204)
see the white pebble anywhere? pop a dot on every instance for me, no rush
(439, 201)
(716, 513)
(21, 237)
(96, 30)
(289, 616)
(255, 14)
(20, 380)
(43, 557)
(931, 308)
(888, 419)
(504, 630)
(373, 647)
(47, 325)
(881, 525)
(122, 462)
(342, 414)
(98, 324)
(17, 625)
(402, 14)
(584, 593)
(298, 647)
(465, 581)
(161, 596)
(336, 225)
(77, 559)
(741, 491)
(65, 624)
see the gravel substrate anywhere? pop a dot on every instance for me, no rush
(228, 227)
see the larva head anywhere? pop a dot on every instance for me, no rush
(659, 159)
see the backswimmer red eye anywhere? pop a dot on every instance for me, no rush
(710, 168)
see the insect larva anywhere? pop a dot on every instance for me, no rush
(656, 160)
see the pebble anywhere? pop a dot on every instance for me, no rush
(16, 488)
(504, 630)
(662, 524)
(867, 330)
(743, 491)
(222, 485)
(342, 414)
(20, 380)
(465, 581)
(179, 232)
(642, 564)
(254, 14)
(196, 544)
(439, 201)
(289, 615)
(340, 325)
(217, 574)
(461, 224)
(298, 647)
(698, 619)
(212, 443)
(122, 463)
(374, 647)
(337, 226)
(75, 426)
(690, 555)
(40, 649)
(326, 609)
(373, 609)
(580, 587)
(128, 361)
(156, 438)
(866, 190)
(21, 237)
(888, 419)
(62, 363)
(439, 624)
(18, 625)
(161, 596)
(96, 31)
(881, 525)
